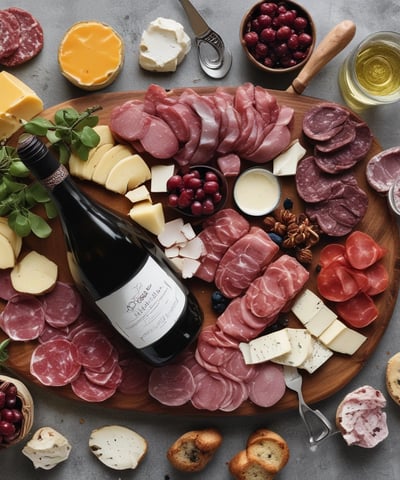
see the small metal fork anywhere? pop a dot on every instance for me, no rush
(319, 428)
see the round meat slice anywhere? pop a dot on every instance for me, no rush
(7, 291)
(211, 392)
(314, 185)
(31, 38)
(62, 306)
(347, 156)
(359, 311)
(324, 121)
(362, 251)
(110, 379)
(338, 215)
(89, 391)
(345, 136)
(378, 279)
(172, 385)
(10, 34)
(135, 376)
(267, 386)
(23, 318)
(331, 253)
(93, 348)
(383, 169)
(55, 363)
(337, 283)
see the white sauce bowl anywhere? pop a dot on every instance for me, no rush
(257, 191)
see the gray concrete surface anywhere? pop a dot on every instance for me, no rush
(333, 460)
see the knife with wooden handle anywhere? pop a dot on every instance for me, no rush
(333, 43)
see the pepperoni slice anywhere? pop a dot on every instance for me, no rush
(333, 252)
(93, 348)
(362, 250)
(62, 305)
(54, 363)
(89, 391)
(23, 318)
(359, 311)
(336, 283)
(172, 385)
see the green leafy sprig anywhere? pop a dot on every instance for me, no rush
(71, 132)
(3, 350)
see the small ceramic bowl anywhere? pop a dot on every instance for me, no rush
(277, 37)
(257, 192)
(202, 197)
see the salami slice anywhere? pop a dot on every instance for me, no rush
(378, 279)
(359, 311)
(324, 121)
(345, 136)
(10, 34)
(23, 318)
(135, 377)
(211, 391)
(7, 291)
(362, 250)
(89, 391)
(110, 379)
(93, 348)
(172, 385)
(336, 283)
(62, 306)
(55, 363)
(31, 38)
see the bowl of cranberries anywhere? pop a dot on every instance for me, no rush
(199, 191)
(16, 411)
(277, 37)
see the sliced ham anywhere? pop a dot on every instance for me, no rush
(7, 291)
(159, 140)
(244, 261)
(383, 169)
(129, 122)
(229, 164)
(267, 386)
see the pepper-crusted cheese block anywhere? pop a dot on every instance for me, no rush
(91, 55)
(17, 101)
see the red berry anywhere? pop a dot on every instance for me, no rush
(210, 177)
(251, 39)
(173, 200)
(284, 33)
(300, 24)
(2, 399)
(185, 198)
(264, 21)
(200, 194)
(269, 8)
(268, 35)
(305, 40)
(174, 182)
(210, 187)
(6, 428)
(293, 42)
(208, 207)
(196, 208)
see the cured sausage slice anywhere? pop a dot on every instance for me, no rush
(331, 253)
(362, 251)
(345, 136)
(211, 392)
(135, 377)
(62, 306)
(383, 169)
(55, 363)
(10, 34)
(23, 318)
(7, 291)
(89, 391)
(336, 283)
(378, 279)
(359, 311)
(324, 121)
(172, 385)
(93, 348)
(31, 38)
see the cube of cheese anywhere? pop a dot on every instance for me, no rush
(321, 321)
(17, 101)
(332, 332)
(138, 194)
(159, 177)
(307, 306)
(286, 162)
(148, 215)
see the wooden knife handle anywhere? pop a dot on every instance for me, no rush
(333, 43)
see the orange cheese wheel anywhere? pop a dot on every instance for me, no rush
(91, 55)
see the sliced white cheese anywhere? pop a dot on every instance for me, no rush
(138, 194)
(105, 134)
(160, 174)
(192, 248)
(189, 267)
(7, 253)
(286, 162)
(307, 306)
(332, 332)
(188, 231)
(11, 236)
(321, 321)
(301, 348)
(47, 448)
(118, 447)
(172, 252)
(128, 173)
(267, 347)
(319, 355)
(95, 156)
(344, 339)
(172, 233)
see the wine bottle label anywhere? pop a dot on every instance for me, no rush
(55, 178)
(146, 307)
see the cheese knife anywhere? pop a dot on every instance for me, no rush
(214, 57)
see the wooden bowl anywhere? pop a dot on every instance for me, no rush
(24, 404)
(281, 54)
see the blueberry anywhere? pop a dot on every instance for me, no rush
(288, 204)
(275, 238)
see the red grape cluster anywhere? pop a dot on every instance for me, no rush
(11, 416)
(277, 35)
(197, 192)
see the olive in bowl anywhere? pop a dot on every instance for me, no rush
(277, 37)
(199, 191)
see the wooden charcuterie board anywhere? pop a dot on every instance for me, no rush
(331, 377)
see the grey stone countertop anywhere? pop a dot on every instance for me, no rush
(333, 459)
